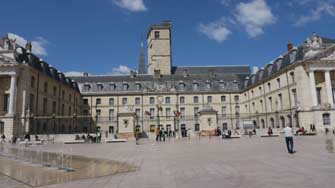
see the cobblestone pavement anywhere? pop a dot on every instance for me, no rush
(256, 162)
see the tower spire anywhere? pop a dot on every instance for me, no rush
(141, 66)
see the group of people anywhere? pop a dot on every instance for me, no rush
(89, 138)
(161, 134)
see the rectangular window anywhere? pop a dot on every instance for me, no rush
(31, 102)
(63, 109)
(197, 127)
(224, 111)
(209, 99)
(295, 99)
(85, 101)
(318, 94)
(182, 100)
(32, 82)
(124, 101)
(111, 114)
(223, 98)
(168, 113)
(54, 106)
(55, 91)
(152, 113)
(196, 110)
(45, 87)
(236, 98)
(152, 100)
(138, 111)
(280, 97)
(98, 101)
(5, 102)
(196, 99)
(111, 101)
(137, 100)
(157, 34)
(167, 100)
(182, 112)
(278, 83)
(45, 105)
(98, 114)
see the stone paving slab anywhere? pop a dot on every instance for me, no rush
(211, 163)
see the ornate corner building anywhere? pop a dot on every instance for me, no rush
(35, 97)
(297, 88)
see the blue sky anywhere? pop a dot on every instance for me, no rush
(98, 36)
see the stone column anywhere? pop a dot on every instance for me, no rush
(12, 90)
(329, 88)
(313, 88)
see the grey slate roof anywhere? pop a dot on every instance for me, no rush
(43, 67)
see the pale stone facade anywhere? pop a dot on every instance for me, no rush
(295, 89)
(35, 97)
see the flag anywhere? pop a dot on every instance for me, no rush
(147, 113)
(177, 113)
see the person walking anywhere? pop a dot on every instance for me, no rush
(289, 138)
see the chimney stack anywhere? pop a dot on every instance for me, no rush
(289, 46)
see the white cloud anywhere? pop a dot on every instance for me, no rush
(131, 5)
(121, 70)
(38, 45)
(323, 8)
(254, 16)
(216, 30)
(73, 73)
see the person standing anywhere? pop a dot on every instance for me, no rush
(289, 138)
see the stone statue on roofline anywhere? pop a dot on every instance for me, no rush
(314, 41)
(29, 46)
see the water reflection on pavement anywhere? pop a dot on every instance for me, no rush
(37, 168)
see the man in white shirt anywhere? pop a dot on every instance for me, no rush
(289, 138)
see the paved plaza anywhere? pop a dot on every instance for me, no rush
(244, 162)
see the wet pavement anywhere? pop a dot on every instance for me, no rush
(38, 168)
(250, 163)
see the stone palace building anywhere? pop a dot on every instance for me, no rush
(296, 88)
(35, 97)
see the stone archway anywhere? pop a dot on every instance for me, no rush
(263, 123)
(282, 121)
(272, 122)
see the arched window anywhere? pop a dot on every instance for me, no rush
(282, 121)
(263, 123)
(272, 121)
(326, 118)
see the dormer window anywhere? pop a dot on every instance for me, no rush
(157, 34)
(100, 87)
(208, 85)
(125, 86)
(222, 85)
(138, 86)
(112, 87)
(182, 86)
(87, 87)
(195, 85)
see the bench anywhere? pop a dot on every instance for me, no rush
(232, 136)
(266, 135)
(306, 134)
(116, 140)
(74, 142)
